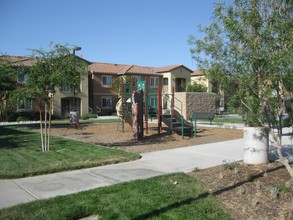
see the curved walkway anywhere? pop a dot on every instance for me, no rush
(16, 191)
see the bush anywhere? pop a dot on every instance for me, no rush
(88, 116)
(19, 116)
(195, 87)
(22, 118)
(10, 116)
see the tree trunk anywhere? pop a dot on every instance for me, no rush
(41, 127)
(46, 130)
(50, 117)
(280, 155)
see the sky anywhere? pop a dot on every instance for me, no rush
(141, 32)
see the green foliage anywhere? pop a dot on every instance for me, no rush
(247, 51)
(88, 116)
(12, 116)
(228, 120)
(282, 187)
(154, 198)
(8, 75)
(22, 118)
(8, 85)
(279, 188)
(229, 165)
(127, 83)
(249, 176)
(52, 68)
(195, 87)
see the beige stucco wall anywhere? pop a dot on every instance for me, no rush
(168, 89)
(203, 80)
(83, 95)
(195, 102)
(179, 72)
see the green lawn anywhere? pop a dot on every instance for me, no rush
(229, 120)
(21, 155)
(154, 198)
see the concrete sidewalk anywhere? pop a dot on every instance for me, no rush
(151, 164)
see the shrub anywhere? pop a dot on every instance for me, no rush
(195, 87)
(88, 116)
(229, 165)
(19, 116)
(22, 118)
(10, 116)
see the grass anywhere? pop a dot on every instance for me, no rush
(154, 198)
(229, 120)
(87, 121)
(21, 155)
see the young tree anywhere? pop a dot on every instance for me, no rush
(248, 50)
(7, 84)
(50, 70)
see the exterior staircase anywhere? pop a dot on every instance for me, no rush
(178, 124)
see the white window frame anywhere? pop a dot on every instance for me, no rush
(154, 82)
(108, 84)
(109, 101)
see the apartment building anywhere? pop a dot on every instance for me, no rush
(96, 92)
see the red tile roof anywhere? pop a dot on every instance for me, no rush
(134, 69)
(121, 69)
(24, 61)
(97, 67)
(18, 60)
(109, 68)
(197, 73)
(170, 68)
(166, 68)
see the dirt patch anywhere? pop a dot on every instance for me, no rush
(109, 135)
(250, 191)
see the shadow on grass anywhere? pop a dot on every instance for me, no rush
(175, 205)
(11, 137)
(203, 195)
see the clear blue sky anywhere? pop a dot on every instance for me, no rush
(142, 32)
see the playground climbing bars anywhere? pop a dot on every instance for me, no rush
(159, 109)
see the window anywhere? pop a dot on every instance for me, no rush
(153, 101)
(165, 81)
(138, 78)
(64, 86)
(107, 81)
(22, 77)
(24, 105)
(180, 84)
(154, 81)
(106, 102)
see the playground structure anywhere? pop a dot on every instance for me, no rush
(145, 102)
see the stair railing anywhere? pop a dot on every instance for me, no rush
(182, 127)
(172, 106)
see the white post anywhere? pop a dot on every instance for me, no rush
(256, 145)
